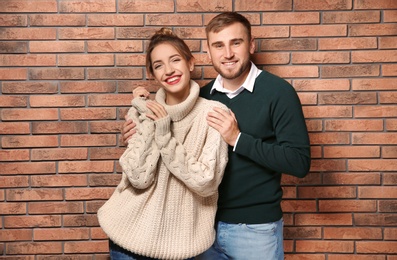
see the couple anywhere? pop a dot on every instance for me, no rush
(181, 145)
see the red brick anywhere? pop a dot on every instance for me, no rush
(318, 30)
(299, 206)
(294, 71)
(288, 44)
(390, 233)
(34, 248)
(86, 247)
(390, 16)
(329, 138)
(13, 20)
(352, 233)
(352, 17)
(12, 208)
(28, 34)
(29, 141)
(256, 5)
(173, 19)
(355, 178)
(387, 98)
(29, 87)
(61, 234)
(16, 235)
(386, 192)
(372, 30)
(354, 125)
(291, 18)
(334, 246)
(57, 19)
(327, 192)
(86, 220)
(351, 152)
(85, 60)
(347, 43)
(376, 247)
(14, 181)
(27, 168)
(142, 33)
(86, 33)
(375, 219)
(302, 232)
(93, 206)
(374, 56)
(34, 194)
(55, 208)
(375, 111)
(31, 221)
(23, 6)
(13, 74)
(29, 114)
(327, 165)
(86, 167)
(13, 47)
(56, 73)
(372, 165)
(104, 179)
(270, 31)
(115, 73)
(296, 256)
(88, 113)
(115, 20)
(59, 154)
(106, 127)
(123, 46)
(320, 57)
(350, 71)
(13, 101)
(59, 180)
(321, 85)
(97, 6)
(347, 98)
(97, 233)
(88, 87)
(59, 127)
(328, 5)
(389, 151)
(103, 100)
(130, 59)
(387, 206)
(380, 4)
(347, 206)
(88, 193)
(57, 101)
(388, 42)
(56, 46)
(136, 6)
(389, 70)
(355, 257)
(374, 84)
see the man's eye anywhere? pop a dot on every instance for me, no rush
(237, 43)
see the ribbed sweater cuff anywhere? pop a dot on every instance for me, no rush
(163, 130)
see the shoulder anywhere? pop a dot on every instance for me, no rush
(206, 89)
(208, 105)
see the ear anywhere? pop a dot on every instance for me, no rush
(191, 64)
(252, 45)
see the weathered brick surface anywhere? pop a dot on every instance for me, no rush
(67, 68)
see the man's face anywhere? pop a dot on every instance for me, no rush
(230, 51)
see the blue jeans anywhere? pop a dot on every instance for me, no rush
(119, 253)
(247, 241)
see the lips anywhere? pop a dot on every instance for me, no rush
(173, 80)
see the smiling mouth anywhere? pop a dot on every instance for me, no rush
(173, 80)
(229, 63)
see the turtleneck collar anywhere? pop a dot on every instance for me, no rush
(179, 111)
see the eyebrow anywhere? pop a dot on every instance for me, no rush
(232, 40)
(175, 55)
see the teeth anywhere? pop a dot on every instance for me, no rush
(172, 79)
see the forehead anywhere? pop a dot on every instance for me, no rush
(230, 32)
(163, 51)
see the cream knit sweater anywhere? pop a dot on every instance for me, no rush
(165, 204)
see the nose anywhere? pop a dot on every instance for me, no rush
(228, 52)
(169, 69)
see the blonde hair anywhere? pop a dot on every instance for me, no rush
(166, 35)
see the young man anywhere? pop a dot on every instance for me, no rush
(267, 136)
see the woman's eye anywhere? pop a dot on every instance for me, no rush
(157, 67)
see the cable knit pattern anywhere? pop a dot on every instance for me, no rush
(165, 205)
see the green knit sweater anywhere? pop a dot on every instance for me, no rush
(273, 140)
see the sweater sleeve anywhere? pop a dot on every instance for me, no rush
(290, 153)
(139, 161)
(203, 173)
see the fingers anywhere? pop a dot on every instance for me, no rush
(128, 130)
(157, 109)
(140, 92)
(225, 123)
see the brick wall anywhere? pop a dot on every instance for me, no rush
(66, 73)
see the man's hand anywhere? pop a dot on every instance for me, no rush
(225, 123)
(128, 130)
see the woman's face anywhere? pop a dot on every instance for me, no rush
(172, 71)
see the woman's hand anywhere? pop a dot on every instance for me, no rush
(140, 92)
(157, 109)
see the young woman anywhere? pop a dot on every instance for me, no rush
(165, 204)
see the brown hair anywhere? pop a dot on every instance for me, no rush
(219, 22)
(165, 35)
